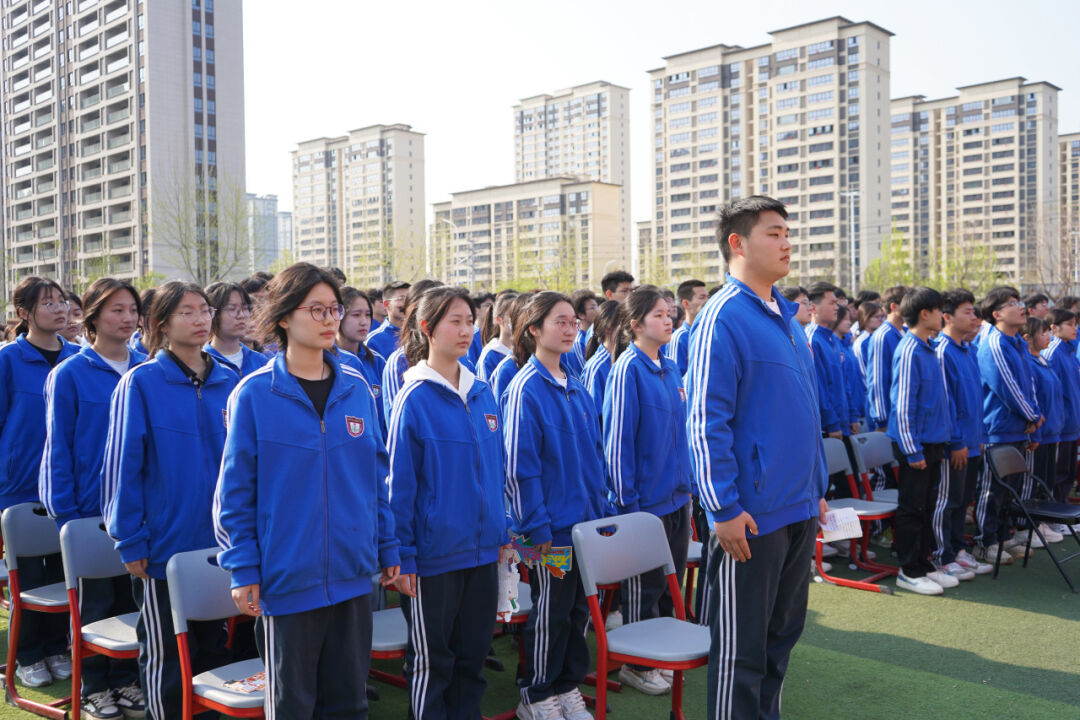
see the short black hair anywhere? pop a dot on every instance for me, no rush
(740, 216)
(840, 292)
(1034, 299)
(1068, 301)
(893, 295)
(917, 300)
(615, 278)
(339, 274)
(580, 299)
(951, 300)
(1034, 326)
(866, 296)
(482, 297)
(1061, 315)
(791, 292)
(996, 299)
(394, 286)
(686, 289)
(817, 291)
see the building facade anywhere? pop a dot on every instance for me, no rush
(262, 217)
(358, 203)
(284, 234)
(1069, 202)
(122, 139)
(978, 173)
(558, 233)
(803, 119)
(583, 132)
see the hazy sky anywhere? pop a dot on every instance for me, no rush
(454, 70)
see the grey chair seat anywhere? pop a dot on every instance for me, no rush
(524, 599)
(665, 639)
(3, 571)
(863, 507)
(694, 554)
(211, 685)
(888, 495)
(389, 631)
(54, 595)
(115, 633)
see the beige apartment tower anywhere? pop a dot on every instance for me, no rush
(582, 132)
(978, 171)
(1069, 203)
(358, 203)
(802, 119)
(560, 233)
(123, 139)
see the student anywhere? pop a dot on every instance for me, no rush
(24, 366)
(961, 367)
(879, 359)
(871, 316)
(384, 340)
(1011, 411)
(255, 287)
(555, 479)
(1061, 356)
(1042, 459)
(379, 312)
(617, 285)
(762, 482)
(647, 458)
(608, 341)
(232, 315)
(919, 425)
(1037, 305)
(77, 395)
(481, 301)
(447, 477)
(854, 386)
(586, 305)
(499, 334)
(504, 372)
(303, 448)
(797, 294)
(72, 331)
(146, 299)
(396, 363)
(166, 433)
(828, 362)
(352, 350)
(692, 297)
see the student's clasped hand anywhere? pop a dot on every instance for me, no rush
(732, 535)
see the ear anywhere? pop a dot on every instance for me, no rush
(283, 323)
(736, 242)
(23, 314)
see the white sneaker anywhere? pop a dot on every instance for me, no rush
(668, 675)
(921, 585)
(989, 554)
(958, 571)
(34, 676)
(1019, 540)
(943, 579)
(573, 706)
(1051, 535)
(1061, 529)
(59, 666)
(966, 560)
(547, 709)
(842, 548)
(825, 567)
(100, 706)
(646, 681)
(827, 550)
(614, 620)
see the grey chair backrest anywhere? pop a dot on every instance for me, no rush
(1007, 460)
(198, 588)
(88, 551)
(873, 449)
(637, 544)
(836, 457)
(28, 532)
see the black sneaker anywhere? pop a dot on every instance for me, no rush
(130, 701)
(100, 706)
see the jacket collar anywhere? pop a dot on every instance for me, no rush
(176, 375)
(787, 308)
(423, 372)
(30, 353)
(134, 358)
(646, 361)
(543, 372)
(283, 383)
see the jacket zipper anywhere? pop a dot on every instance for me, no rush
(479, 481)
(326, 509)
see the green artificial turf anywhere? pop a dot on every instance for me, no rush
(1003, 648)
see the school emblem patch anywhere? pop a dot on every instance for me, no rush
(492, 421)
(355, 426)
(225, 417)
(375, 390)
(682, 394)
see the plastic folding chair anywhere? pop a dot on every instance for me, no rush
(199, 591)
(90, 553)
(389, 637)
(614, 549)
(874, 450)
(868, 510)
(29, 532)
(1005, 462)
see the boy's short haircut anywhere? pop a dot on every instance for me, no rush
(817, 291)
(996, 299)
(917, 300)
(866, 296)
(580, 299)
(951, 300)
(615, 278)
(1034, 299)
(894, 295)
(740, 216)
(792, 292)
(686, 289)
(1068, 302)
(1060, 316)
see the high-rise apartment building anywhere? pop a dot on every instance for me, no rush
(582, 132)
(977, 171)
(1069, 202)
(122, 139)
(358, 203)
(560, 233)
(284, 233)
(804, 119)
(262, 218)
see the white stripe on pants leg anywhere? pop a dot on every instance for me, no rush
(940, 537)
(542, 609)
(728, 633)
(154, 648)
(985, 483)
(269, 694)
(421, 669)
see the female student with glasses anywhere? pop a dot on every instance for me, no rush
(352, 350)
(232, 318)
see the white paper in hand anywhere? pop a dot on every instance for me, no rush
(841, 524)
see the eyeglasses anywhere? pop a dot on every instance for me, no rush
(204, 314)
(318, 311)
(1014, 304)
(237, 310)
(55, 305)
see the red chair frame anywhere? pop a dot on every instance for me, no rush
(81, 649)
(50, 710)
(192, 704)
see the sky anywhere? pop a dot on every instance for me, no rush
(454, 70)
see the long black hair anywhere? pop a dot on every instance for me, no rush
(27, 296)
(285, 293)
(167, 298)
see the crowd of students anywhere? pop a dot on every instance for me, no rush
(322, 435)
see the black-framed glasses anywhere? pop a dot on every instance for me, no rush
(318, 311)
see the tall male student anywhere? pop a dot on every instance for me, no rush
(692, 296)
(879, 366)
(1061, 356)
(836, 417)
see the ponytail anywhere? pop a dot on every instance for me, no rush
(498, 309)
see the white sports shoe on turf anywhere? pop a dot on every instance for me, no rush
(647, 681)
(958, 571)
(573, 706)
(1019, 540)
(1051, 535)
(943, 579)
(1063, 530)
(614, 620)
(966, 560)
(989, 554)
(548, 709)
(921, 585)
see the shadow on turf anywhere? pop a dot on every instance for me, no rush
(958, 664)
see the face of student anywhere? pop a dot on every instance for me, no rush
(313, 325)
(590, 312)
(656, 327)
(825, 308)
(1040, 310)
(189, 323)
(844, 326)
(558, 330)
(1042, 340)
(453, 334)
(74, 324)
(118, 317)
(233, 318)
(766, 252)
(380, 310)
(621, 291)
(802, 315)
(1066, 330)
(930, 320)
(395, 306)
(482, 310)
(963, 320)
(875, 320)
(1011, 314)
(693, 305)
(357, 322)
(50, 313)
(672, 308)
